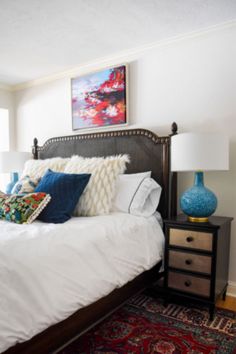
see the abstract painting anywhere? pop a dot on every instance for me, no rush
(99, 99)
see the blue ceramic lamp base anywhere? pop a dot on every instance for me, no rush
(198, 202)
(14, 179)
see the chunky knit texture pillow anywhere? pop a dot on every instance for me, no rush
(98, 195)
(37, 168)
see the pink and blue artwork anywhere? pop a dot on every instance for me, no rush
(99, 99)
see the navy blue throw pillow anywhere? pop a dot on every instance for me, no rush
(65, 190)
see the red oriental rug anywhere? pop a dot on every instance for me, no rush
(144, 325)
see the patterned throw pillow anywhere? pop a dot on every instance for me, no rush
(98, 195)
(25, 185)
(22, 209)
(37, 168)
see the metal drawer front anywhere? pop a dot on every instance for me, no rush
(189, 261)
(191, 239)
(188, 283)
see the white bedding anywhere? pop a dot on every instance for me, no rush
(49, 271)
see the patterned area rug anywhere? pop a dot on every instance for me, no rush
(144, 325)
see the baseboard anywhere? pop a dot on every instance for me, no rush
(231, 291)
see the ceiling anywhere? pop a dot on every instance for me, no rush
(44, 37)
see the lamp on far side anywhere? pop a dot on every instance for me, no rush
(13, 162)
(199, 152)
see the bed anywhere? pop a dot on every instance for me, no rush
(116, 280)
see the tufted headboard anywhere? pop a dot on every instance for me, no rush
(147, 151)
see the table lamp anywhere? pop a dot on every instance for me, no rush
(13, 162)
(199, 152)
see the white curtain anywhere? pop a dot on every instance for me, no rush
(4, 144)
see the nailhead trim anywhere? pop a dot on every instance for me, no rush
(131, 132)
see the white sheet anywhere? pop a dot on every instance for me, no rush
(49, 271)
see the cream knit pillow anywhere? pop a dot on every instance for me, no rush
(37, 168)
(98, 195)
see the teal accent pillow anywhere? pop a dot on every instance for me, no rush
(22, 209)
(65, 190)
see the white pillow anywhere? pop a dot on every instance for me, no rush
(126, 186)
(99, 193)
(137, 194)
(146, 199)
(37, 168)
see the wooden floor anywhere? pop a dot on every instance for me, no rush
(229, 303)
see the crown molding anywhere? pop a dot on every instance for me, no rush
(6, 87)
(124, 56)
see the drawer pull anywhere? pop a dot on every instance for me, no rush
(188, 261)
(187, 283)
(190, 239)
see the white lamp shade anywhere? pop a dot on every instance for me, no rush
(199, 152)
(13, 161)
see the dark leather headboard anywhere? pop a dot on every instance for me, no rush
(147, 151)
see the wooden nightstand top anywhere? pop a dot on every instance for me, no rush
(214, 222)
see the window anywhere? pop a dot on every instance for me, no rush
(4, 143)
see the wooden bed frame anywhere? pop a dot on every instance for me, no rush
(147, 152)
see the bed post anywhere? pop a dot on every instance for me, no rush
(173, 179)
(35, 149)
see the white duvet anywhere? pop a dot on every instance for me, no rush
(49, 271)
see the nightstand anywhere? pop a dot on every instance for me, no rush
(197, 259)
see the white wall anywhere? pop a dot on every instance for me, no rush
(192, 82)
